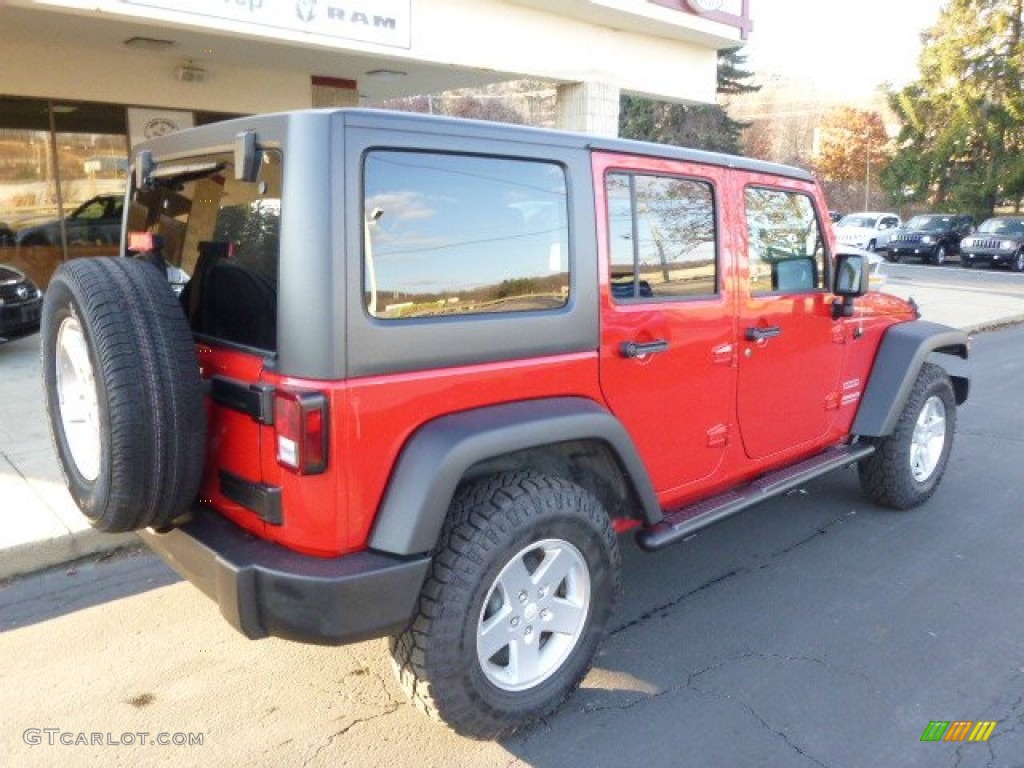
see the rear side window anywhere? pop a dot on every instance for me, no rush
(450, 235)
(220, 241)
(662, 237)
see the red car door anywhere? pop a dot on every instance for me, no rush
(668, 340)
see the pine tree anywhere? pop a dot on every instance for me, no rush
(962, 136)
(699, 126)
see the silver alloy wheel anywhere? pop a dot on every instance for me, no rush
(534, 615)
(929, 439)
(77, 397)
(940, 255)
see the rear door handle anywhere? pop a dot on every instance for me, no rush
(766, 332)
(642, 348)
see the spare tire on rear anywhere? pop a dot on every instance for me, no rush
(123, 393)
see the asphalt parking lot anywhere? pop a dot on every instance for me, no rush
(814, 630)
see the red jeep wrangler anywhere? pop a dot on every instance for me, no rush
(412, 376)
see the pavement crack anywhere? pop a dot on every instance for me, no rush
(660, 609)
(338, 734)
(781, 735)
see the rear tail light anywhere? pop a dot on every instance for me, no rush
(300, 419)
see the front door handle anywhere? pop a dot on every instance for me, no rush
(762, 333)
(642, 348)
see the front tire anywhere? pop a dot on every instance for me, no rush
(940, 256)
(1017, 265)
(907, 466)
(522, 585)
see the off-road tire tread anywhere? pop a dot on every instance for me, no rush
(483, 515)
(885, 476)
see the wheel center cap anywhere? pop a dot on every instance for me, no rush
(531, 611)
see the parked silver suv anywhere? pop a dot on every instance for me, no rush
(870, 231)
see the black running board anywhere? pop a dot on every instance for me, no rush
(681, 523)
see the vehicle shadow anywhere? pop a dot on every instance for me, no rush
(39, 597)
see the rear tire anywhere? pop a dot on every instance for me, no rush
(907, 466)
(523, 582)
(123, 393)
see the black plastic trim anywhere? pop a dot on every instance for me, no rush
(901, 354)
(264, 500)
(266, 590)
(256, 400)
(437, 456)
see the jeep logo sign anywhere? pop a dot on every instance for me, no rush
(383, 22)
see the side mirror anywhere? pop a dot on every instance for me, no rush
(850, 280)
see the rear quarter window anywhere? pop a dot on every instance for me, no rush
(448, 235)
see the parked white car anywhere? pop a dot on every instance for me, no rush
(870, 231)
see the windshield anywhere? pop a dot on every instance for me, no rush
(930, 223)
(1002, 227)
(858, 220)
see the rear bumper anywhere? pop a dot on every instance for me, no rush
(265, 590)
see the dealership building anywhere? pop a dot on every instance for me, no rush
(82, 81)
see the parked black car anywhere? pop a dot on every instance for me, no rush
(998, 241)
(930, 237)
(20, 304)
(96, 221)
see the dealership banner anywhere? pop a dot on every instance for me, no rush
(383, 22)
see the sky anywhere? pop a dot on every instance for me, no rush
(849, 48)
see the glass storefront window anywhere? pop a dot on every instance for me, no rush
(63, 169)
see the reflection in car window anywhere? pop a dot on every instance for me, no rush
(854, 220)
(786, 251)
(930, 223)
(225, 235)
(662, 232)
(453, 234)
(1007, 227)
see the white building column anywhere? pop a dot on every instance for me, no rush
(591, 107)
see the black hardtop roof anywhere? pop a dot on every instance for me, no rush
(273, 127)
(568, 139)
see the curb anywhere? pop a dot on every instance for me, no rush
(29, 557)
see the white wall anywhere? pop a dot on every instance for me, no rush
(87, 74)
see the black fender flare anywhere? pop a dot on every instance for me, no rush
(436, 457)
(904, 349)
